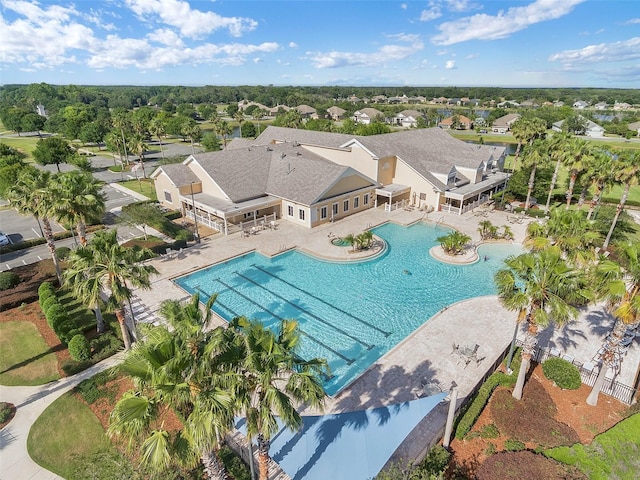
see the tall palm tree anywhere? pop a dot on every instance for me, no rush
(619, 284)
(87, 289)
(115, 267)
(627, 172)
(158, 129)
(79, 199)
(121, 122)
(33, 194)
(559, 152)
(271, 378)
(578, 155)
(602, 176)
(113, 141)
(223, 129)
(526, 130)
(536, 154)
(139, 146)
(542, 287)
(570, 231)
(170, 372)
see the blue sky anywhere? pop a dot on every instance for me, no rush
(526, 43)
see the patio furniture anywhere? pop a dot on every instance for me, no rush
(428, 388)
(468, 353)
(272, 224)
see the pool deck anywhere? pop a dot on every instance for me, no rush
(426, 355)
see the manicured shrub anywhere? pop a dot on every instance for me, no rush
(63, 252)
(436, 461)
(48, 303)
(5, 411)
(53, 312)
(46, 294)
(79, 348)
(45, 287)
(92, 389)
(8, 280)
(66, 337)
(62, 325)
(563, 373)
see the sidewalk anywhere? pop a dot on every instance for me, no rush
(30, 402)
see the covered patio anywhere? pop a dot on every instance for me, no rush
(394, 196)
(466, 197)
(229, 217)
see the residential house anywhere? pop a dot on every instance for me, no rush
(277, 109)
(336, 113)
(244, 104)
(635, 126)
(580, 104)
(601, 106)
(407, 118)
(310, 178)
(621, 106)
(508, 104)
(461, 123)
(503, 124)
(306, 111)
(592, 129)
(418, 99)
(368, 115)
(40, 110)
(379, 99)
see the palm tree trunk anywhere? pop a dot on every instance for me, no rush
(99, 319)
(609, 357)
(528, 349)
(161, 150)
(572, 184)
(592, 399)
(554, 179)
(595, 201)
(123, 328)
(263, 457)
(532, 179)
(619, 208)
(583, 196)
(82, 233)
(48, 234)
(213, 467)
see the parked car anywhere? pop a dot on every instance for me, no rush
(4, 239)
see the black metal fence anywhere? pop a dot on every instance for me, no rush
(588, 374)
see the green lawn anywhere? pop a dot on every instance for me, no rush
(144, 186)
(66, 428)
(612, 454)
(26, 358)
(23, 144)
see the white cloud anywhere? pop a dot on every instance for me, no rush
(166, 37)
(257, 60)
(430, 14)
(381, 56)
(192, 23)
(471, 56)
(632, 21)
(293, 45)
(450, 65)
(403, 6)
(488, 27)
(610, 52)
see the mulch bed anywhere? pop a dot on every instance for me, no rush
(31, 276)
(10, 417)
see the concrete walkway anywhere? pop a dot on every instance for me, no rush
(30, 402)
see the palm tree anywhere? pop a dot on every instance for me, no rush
(602, 176)
(78, 199)
(559, 152)
(542, 287)
(535, 154)
(115, 266)
(526, 131)
(121, 122)
(138, 146)
(620, 287)
(271, 377)
(627, 171)
(158, 129)
(33, 194)
(454, 243)
(570, 231)
(578, 155)
(222, 128)
(86, 289)
(170, 370)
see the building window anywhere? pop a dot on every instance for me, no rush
(323, 212)
(301, 214)
(365, 200)
(167, 196)
(334, 209)
(290, 210)
(248, 215)
(345, 205)
(356, 202)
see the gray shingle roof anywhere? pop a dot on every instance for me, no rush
(179, 174)
(309, 137)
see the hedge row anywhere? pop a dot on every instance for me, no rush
(55, 313)
(563, 373)
(14, 247)
(468, 419)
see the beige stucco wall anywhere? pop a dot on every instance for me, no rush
(474, 175)
(407, 176)
(295, 218)
(386, 170)
(163, 184)
(360, 194)
(346, 184)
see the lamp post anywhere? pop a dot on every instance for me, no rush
(195, 216)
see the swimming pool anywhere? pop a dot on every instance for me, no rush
(350, 313)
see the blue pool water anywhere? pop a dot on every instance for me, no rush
(350, 313)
